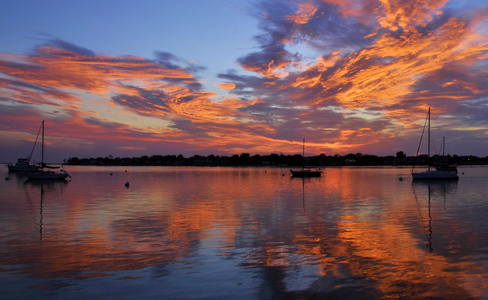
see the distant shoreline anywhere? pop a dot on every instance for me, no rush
(275, 160)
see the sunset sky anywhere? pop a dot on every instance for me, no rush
(133, 78)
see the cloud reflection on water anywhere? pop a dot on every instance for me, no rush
(355, 231)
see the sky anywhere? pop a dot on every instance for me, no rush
(224, 77)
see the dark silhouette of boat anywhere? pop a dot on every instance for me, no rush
(433, 174)
(305, 171)
(48, 174)
(442, 163)
(22, 165)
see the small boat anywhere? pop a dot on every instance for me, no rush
(305, 171)
(443, 163)
(433, 174)
(22, 165)
(49, 174)
(446, 167)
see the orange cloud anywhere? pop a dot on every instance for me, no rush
(387, 72)
(226, 86)
(306, 10)
(63, 69)
(404, 14)
(271, 69)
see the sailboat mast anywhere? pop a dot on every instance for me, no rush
(303, 154)
(34, 147)
(42, 151)
(428, 150)
(443, 146)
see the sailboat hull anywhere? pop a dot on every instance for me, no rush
(435, 175)
(305, 173)
(22, 165)
(47, 175)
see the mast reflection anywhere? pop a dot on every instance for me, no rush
(441, 187)
(42, 185)
(303, 179)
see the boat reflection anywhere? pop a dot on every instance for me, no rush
(39, 187)
(302, 179)
(437, 187)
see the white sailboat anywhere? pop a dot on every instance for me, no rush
(432, 174)
(48, 174)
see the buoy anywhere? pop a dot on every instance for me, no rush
(127, 184)
(401, 178)
(111, 174)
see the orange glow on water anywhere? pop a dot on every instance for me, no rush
(359, 218)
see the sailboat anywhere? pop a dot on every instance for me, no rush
(23, 164)
(305, 172)
(48, 174)
(432, 174)
(443, 164)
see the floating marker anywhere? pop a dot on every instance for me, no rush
(127, 184)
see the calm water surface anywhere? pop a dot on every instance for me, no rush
(244, 233)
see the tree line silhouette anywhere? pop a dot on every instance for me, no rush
(246, 159)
